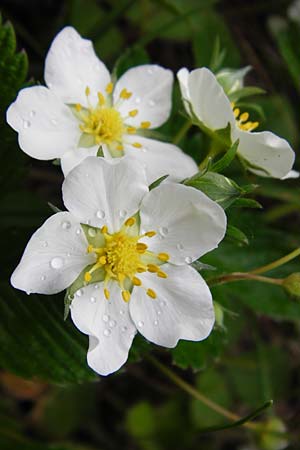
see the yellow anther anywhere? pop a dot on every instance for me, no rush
(145, 124)
(162, 274)
(130, 222)
(153, 268)
(163, 256)
(136, 281)
(126, 296)
(236, 112)
(125, 94)
(141, 247)
(150, 233)
(141, 269)
(120, 147)
(133, 113)
(151, 293)
(102, 260)
(78, 107)
(232, 104)
(254, 125)
(131, 130)
(104, 229)
(244, 117)
(109, 88)
(121, 277)
(137, 145)
(106, 293)
(87, 91)
(101, 99)
(87, 277)
(90, 248)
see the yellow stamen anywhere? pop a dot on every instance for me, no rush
(101, 99)
(109, 88)
(90, 249)
(141, 269)
(133, 113)
(244, 117)
(78, 107)
(236, 112)
(125, 94)
(131, 130)
(145, 124)
(106, 293)
(163, 256)
(130, 222)
(87, 277)
(162, 274)
(120, 147)
(87, 91)
(136, 281)
(136, 145)
(141, 247)
(151, 293)
(126, 296)
(150, 233)
(102, 260)
(104, 229)
(152, 268)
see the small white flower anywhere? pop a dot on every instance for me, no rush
(81, 110)
(133, 254)
(264, 153)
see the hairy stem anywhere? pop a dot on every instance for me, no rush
(279, 262)
(238, 276)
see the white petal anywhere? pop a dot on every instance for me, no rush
(183, 308)
(208, 100)
(72, 65)
(267, 151)
(108, 324)
(151, 88)
(183, 78)
(74, 157)
(291, 174)
(189, 224)
(54, 256)
(101, 192)
(160, 158)
(46, 127)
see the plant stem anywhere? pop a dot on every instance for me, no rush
(238, 276)
(182, 132)
(279, 262)
(198, 395)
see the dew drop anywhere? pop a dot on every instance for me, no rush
(163, 303)
(88, 222)
(122, 213)
(66, 225)
(151, 103)
(78, 231)
(180, 246)
(138, 100)
(188, 260)
(100, 214)
(92, 232)
(150, 71)
(158, 312)
(49, 85)
(112, 323)
(155, 322)
(45, 244)
(140, 324)
(56, 263)
(43, 278)
(26, 124)
(70, 297)
(32, 113)
(105, 318)
(124, 329)
(121, 312)
(54, 122)
(106, 332)
(79, 293)
(96, 286)
(163, 231)
(93, 299)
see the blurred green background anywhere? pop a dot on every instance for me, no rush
(49, 398)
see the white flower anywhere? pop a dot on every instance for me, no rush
(264, 153)
(81, 109)
(133, 254)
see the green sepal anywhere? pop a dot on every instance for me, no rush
(244, 92)
(157, 182)
(237, 235)
(86, 140)
(226, 160)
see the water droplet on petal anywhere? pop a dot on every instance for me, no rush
(188, 260)
(124, 329)
(138, 100)
(100, 214)
(79, 293)
(140, 324)
(93, 299)
(92, 232)
(163, 303)
(78, 231)
(26, 124)
(57, 262)
(45, 244)
(106, 332)
(96, 286)
(88, 222)
(122, 213)
(151, 103)
(150, 71)
(163, 231)
(112, 323)
(32, 113)
(180, 246)
(158, 312)
(43, 278)
(54, 122)
(105, 318)
(66, 225)
(155, 322)
(121, 312)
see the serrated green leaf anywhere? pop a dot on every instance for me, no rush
(225, 161)
(246, 203)
(247, 91)
(237, 234)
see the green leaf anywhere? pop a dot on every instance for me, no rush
(237, 235)
(225, 161)
(36, 342)
(246, 203)
(157, 182)
(216, 186)
(247, 91)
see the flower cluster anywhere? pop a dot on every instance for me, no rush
(124, 251)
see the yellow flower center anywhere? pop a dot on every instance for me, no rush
(123, 257)
(242, 119)
(103, 123)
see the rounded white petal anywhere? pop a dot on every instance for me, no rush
(272, 155)
(160, 158)
(108, 324)
(74, 157)
(207, 97)
(46, 127)
(183, 78)
(187, 222)
(101, 192)
(291, 174)
(151, 87)
(183, 308)
(54, 256)
(72, 65)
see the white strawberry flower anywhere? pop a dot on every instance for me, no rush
(264, 153)
(132, 250)
(81, 109)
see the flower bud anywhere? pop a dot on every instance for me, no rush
(292, 285)
(271, 437)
